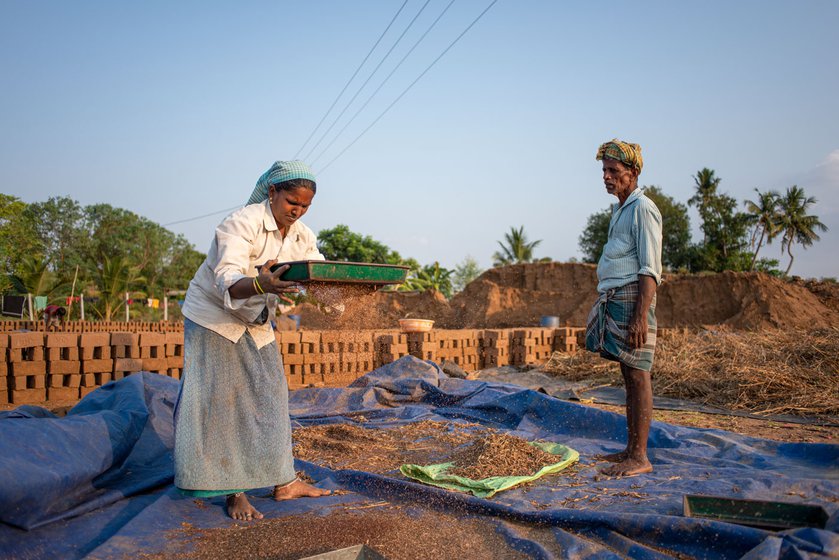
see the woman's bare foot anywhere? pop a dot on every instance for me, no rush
(298, 489)
(628, 467)
(614, 457)
(239, 508)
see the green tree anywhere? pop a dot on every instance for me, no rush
(464, 273)
(795, 224)
(34, 277)
(431, 277)
(595, 235)
(341, 244)
(114, 277)
(59, 223)
(724, 230)
(762, 215)
(18, 237)
(515, 248)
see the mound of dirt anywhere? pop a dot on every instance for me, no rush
(377, 310)
(519, 295)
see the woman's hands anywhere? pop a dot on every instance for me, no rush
(266, 282)
(271, 283)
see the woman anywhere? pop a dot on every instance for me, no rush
(232, 428)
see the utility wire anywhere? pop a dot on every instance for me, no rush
(389, 107)
(383, 113)
(376, 44)
(369, 99)
(202, 216)
(376, 69)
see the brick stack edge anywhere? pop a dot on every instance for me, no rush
(39, 366)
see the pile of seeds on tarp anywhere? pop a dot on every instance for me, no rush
(499, 455)
(478, 452)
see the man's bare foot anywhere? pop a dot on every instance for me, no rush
(239, 508)
(614, 457)
(628, 467)
(298, 489)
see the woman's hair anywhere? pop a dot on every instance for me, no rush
(292, 184)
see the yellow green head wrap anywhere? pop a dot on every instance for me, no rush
(625, 152)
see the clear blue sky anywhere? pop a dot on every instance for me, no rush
(174, 109)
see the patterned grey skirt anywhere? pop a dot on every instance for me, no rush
(232, 429)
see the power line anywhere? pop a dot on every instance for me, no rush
(376, 44)
(376, 69)
(369, 99)
(383, 113)
(202, 216)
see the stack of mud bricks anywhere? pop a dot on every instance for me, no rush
(389, 347)
(565, 339)
(153, 352)
(459, 346)
(27, 377)
(64, 367)
(4, 368)
(97, 364)
(357, 356)
(174, 353)
(531, 346)
(495, 348)
(298, 359)
(125, 347)
(423, 345)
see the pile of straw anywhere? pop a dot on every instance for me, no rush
(767, 372)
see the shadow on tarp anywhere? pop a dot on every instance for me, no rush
(584, 391)
(97, 483)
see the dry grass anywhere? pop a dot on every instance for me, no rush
(768, 372)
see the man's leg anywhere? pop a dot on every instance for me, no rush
(639, 412)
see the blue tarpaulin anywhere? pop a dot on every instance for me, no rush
(97, 483)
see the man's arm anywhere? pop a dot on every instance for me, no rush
(637, 332)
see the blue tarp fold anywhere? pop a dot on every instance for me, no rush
(97, 483)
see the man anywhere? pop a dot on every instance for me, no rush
(54, 316)
(622, 325)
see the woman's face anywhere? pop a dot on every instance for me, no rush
(288, 206)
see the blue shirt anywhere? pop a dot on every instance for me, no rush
(634, 243)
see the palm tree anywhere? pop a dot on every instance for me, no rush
(516, 249)
(114, 277)
(763, 214)
(706, 183)
(794, 223)
(34, 277)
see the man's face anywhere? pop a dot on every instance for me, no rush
(619, 179)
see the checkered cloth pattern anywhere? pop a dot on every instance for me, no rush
(277, 173)
(625, 152)
(608, 324)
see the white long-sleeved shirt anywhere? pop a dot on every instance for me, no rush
(244, 240)
(634, 243)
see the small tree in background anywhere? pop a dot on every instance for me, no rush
(515, 248)
(341, 244)
(724, 230)
(795, 224)
(762, 215)
(464, 273)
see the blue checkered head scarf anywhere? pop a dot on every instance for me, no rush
(279, 172)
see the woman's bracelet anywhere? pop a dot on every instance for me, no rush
(257, 287)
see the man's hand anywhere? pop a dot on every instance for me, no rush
(636, 332)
